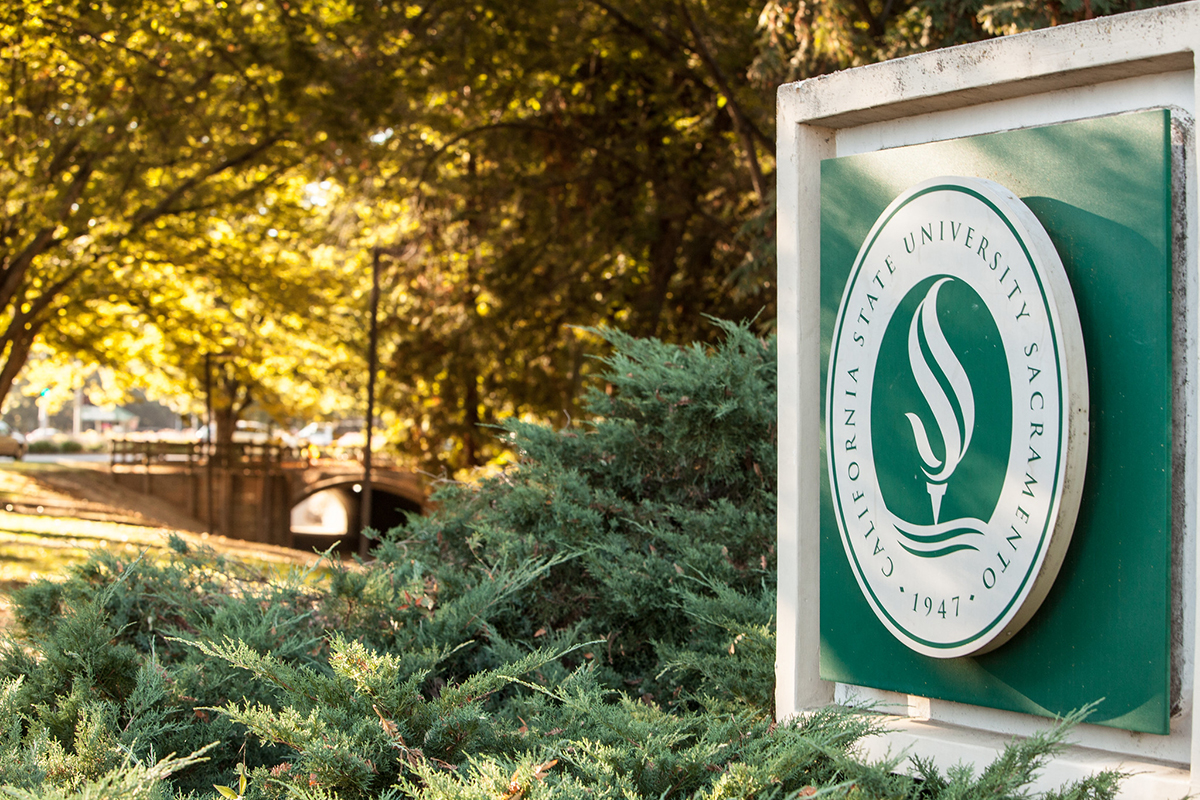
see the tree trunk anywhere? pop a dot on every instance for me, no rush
(15, 346)
(471, 403)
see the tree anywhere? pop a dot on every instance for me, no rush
(253, 297)
(522, 169)
(596, 162)
(802, 39)
(558, 165)
(125, 124)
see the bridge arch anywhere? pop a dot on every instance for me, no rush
(337, 500)
(399, 484)
(252, 497)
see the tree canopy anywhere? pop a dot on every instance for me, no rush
(185, 177)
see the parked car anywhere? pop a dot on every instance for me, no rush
(248, 431)
(12, 443)
(354, 440)
(42, 434)
(326, 434)
(316, 433)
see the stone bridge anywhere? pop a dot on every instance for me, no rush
(251, 493)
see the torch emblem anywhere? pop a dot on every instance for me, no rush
(953, 413)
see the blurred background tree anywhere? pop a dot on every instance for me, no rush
(184, 177)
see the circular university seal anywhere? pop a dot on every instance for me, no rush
(956, 416)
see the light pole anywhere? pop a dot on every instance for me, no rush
(364, 543)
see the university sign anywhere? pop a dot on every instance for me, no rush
(988, 400)
(956, 416)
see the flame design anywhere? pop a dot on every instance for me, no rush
(954, 426)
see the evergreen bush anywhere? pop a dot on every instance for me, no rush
(596, 621)
(44, 446)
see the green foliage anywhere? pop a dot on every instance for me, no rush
(800, 40)
(132, 780)
(597, 620)
(97, 665)
(189, 179)
(51, 446)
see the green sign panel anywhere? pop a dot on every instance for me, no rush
(965, 426)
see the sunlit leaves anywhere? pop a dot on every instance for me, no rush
(134, 137)
(226, 171)
(569, 164)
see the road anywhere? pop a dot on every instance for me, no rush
(66, 458)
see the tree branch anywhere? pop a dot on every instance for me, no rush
(873, 23)
(735, 110)
(14, 273)
(492, 126)
(18, 352)
(165, 206)
(679, 44)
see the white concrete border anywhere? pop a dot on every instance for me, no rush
(1112, 65)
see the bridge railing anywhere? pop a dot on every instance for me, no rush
(145, 453)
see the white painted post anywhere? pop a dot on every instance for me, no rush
(798, 192)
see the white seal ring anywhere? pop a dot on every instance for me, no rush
(956, 416)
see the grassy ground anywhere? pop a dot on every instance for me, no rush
(53, 515)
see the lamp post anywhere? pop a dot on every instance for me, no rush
(364, 543)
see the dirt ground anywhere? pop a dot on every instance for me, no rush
(52, 514)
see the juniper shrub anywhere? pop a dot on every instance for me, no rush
(596, 621)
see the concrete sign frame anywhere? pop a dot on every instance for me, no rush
(1133, 62)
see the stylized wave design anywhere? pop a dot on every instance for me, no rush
(955, 438)
(935, 541)
(945, 551)
(934, 538)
